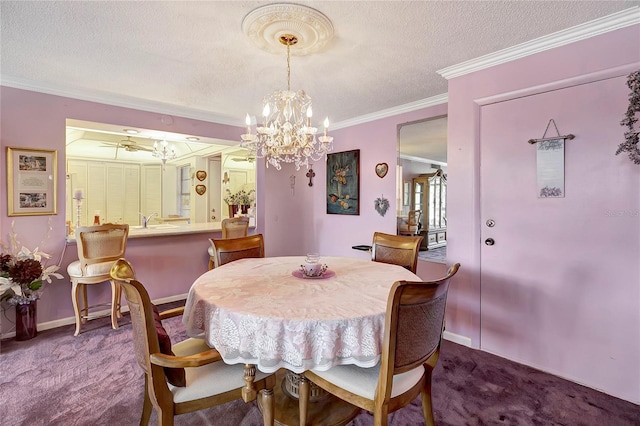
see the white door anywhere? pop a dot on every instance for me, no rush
(555, 286)
(214, 179)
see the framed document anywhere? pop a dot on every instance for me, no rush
(31, 181)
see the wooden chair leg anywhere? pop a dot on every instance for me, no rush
(84, 310)
(146, 404)
(75, 288)
(268, 406)
(114, 305)
(303, 399)
(427, 406)
(165, 417)
(210, 263)
(119, 299)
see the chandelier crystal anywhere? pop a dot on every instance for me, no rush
(163, 151)
(286, 134)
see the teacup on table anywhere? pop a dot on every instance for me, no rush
(312, 266)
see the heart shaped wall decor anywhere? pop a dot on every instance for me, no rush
(382, 169)
(201, 189)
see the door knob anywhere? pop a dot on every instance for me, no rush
(489, 241)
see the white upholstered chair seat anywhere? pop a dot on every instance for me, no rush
(92, 270)
(363, 381)
(210, 379)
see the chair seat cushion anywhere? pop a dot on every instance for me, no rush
(92, 270)
(175, 376)
(210, 379)
(363, 381)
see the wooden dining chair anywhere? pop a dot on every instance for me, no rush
(396, 249)
(413, 328)
(235, 227)
(185, 377)
(98, 248)
(230, 249)
(411, 224)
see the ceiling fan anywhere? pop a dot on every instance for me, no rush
(128, 145)
(249, 158)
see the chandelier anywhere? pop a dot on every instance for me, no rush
(286, 134)
(163, 151)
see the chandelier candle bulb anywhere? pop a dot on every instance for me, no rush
(326, 125)
(247, 121)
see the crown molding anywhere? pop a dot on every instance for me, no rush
(422, 160)
(117, 100)
(390, 112)
(185, 112)
(589, 29)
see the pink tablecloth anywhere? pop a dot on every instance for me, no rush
(255, 311)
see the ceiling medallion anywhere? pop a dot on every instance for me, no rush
(267, 24)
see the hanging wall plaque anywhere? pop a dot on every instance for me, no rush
(550, 163)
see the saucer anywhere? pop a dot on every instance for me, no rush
(326, 274)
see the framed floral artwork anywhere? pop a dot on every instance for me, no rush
(31, 181)
(343, 183)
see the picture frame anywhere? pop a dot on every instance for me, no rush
(343, 183)
(31, 181)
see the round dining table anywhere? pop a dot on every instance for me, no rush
(265, 312)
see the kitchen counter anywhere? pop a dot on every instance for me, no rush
(169, 229)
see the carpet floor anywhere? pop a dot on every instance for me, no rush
(438, 255)
(93, 379)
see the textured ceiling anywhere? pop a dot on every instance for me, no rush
(193, 56)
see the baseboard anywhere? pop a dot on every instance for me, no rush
(72, 320)
(457, 338)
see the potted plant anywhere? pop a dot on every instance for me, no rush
(242, 198)
(22, 277)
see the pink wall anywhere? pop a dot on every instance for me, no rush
(615, 49)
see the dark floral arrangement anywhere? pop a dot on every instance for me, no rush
(242, 197)
(630, 144)
(22, 273)
(550, 192)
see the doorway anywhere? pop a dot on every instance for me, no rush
(422, 163)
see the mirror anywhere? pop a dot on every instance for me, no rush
(121, 179)
(422, 150)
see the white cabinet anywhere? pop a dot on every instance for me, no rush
(110, 187)
(430, 196)
(151, 196)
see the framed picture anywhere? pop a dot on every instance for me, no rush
(31, 181)
(343, 182)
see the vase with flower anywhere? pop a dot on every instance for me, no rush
(241, 200)
(22, 275)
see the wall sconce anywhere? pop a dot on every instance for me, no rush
(226, 179)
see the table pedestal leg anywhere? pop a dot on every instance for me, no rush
(325, 409)
(249, 390)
